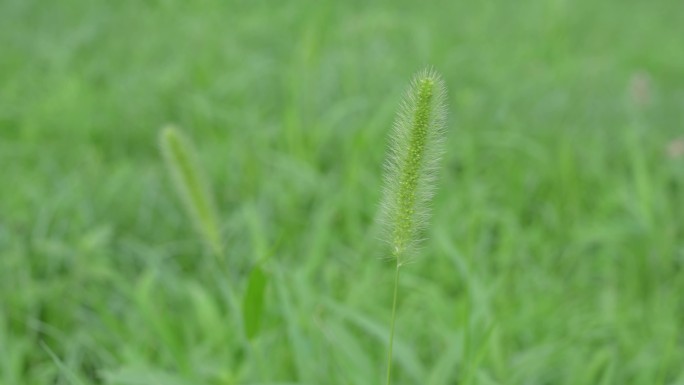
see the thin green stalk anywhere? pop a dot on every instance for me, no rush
(394, 316)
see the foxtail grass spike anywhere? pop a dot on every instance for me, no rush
(416, 144)
(194, 192)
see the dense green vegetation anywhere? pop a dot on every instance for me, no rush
(555, 254)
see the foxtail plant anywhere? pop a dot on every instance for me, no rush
(416, 145)
(192, 187)
(194, 191)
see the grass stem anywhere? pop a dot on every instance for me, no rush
(394, 316)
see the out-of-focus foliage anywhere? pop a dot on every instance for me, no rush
(556, 250)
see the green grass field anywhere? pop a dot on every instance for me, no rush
(555, 255)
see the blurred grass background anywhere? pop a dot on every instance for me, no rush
(555, 255)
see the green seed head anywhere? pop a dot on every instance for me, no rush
(415, 148)
(192, 187)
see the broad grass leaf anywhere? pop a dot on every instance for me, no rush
(253, 302)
